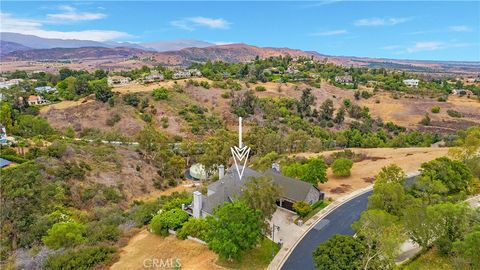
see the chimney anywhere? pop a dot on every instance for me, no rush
(276, 167)
(221, 171)
(197, 204)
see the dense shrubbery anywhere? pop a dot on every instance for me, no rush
(85, 258)
(160, 93)
(341, 167)
(302, 208)
(172, 219)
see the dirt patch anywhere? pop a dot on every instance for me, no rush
(409, 159)
(341, 189)
(146, 246)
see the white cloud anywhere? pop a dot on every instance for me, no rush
(9, 23)
(460, 28)
(330, 33)
(435, 45)
(192, 23)
(224, 42)
(70, 14)
(380, 21)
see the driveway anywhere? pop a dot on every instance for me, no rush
(337, 222)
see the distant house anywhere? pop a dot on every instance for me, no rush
(181, 74)
(9, 83)
(344, 79)
(229, 187)
(4, 163)
(411, 82)
(154, 76)
(291, 70)
(462, 92)
(3, 135)
(195, 72)
(118, 80)
(45, 89)
(36, 100)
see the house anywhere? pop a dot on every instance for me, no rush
(9, 83)
(229, 187)
(36, 100)
(117, 80)
(3, 135)
(344, 79)
(411, 82)
(154, 76)
(462, 92)
(195, 72)
(4, 163)
(181, 74)
(45, 89)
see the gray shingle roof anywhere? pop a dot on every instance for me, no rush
(230, 187)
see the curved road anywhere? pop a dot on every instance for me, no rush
(337, 222)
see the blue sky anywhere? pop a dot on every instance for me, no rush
(402, 30)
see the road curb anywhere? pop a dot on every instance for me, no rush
(334, 205)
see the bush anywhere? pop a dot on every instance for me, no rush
(131, 99)
(64, 234)
(147, 117)
(143, 212)
(205, 84)
(425, 120)
(453, 113)
(194, 227)
(341, 167)
(302, 208)
(160, 93)
(435, 109)
(260, 88)
(112, 120)
(172, 219)
(85, 258)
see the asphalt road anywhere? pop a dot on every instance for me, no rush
(337, 222)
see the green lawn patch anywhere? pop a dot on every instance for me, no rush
(256, 258)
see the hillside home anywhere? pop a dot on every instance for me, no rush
(118, 80)
(411, 82)
(229, 187)
(154, 76)
(36, 100)
(181, 74)
(344, 79)
(45, 89)
(195, 72)
(462, 92)
(9, 83)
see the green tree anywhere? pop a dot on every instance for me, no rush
(315, 171)
(382, 235)
(390, 197)
(233, 228)
(340, 252)
(172, 219)
(64, 234)
(469, 247)
(452, 173)
(101, 89)
(151, 142)
(342, 166)
(306, 101)
(391, 173)
(340, 116)
(420, 225)
(261, 193)
(6, 116)
(326, 110)
(194, 227)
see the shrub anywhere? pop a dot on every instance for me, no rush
(112, 120)
(143, 212)
(147, 117)
(302, 208)
(226, 95)
(131, 99)
(442, 99)
(260, 88)
(205, 84)
(435, 109)
(425, 120)
(453, 113)
(164, 122)
(172, 219)
(342, 166)
(64, 234)
(194, 227)
(85, 258)
(160, 93)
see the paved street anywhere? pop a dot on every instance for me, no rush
(337, 222)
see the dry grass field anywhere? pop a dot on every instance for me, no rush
(363, 172)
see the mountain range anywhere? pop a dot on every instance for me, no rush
(15, 46)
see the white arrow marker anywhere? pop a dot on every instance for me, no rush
(240, 153)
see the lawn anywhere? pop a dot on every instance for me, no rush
(256, 258)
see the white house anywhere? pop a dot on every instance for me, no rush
(411, 82)
(36, 100)
(181, 74)
(117, 80)
(47, 89)
(153, 77)
(9, 83)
